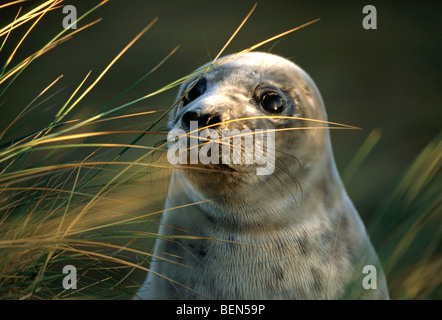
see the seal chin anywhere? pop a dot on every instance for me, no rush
(211, 176)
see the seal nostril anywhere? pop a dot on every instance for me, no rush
(212, 120)
(189, 116)
(204, 120)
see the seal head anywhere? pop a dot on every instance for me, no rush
(256, 91)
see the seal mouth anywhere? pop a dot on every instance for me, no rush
(217, 166)
(212, 157)
(210, 168)
(223, 167)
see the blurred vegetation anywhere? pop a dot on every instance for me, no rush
(81, 113)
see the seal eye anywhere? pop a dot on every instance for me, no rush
(272, 102)
(196, 90)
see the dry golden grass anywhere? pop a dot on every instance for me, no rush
(101, 212)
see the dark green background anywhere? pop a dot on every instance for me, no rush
(389, 78)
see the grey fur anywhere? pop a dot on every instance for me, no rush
(263, 237)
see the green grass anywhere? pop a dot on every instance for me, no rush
(75, 192)
(407, 228)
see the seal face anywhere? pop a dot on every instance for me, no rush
(292, 234)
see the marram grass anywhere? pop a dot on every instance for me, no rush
(77, 193)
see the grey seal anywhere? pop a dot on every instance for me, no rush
(293, 234)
